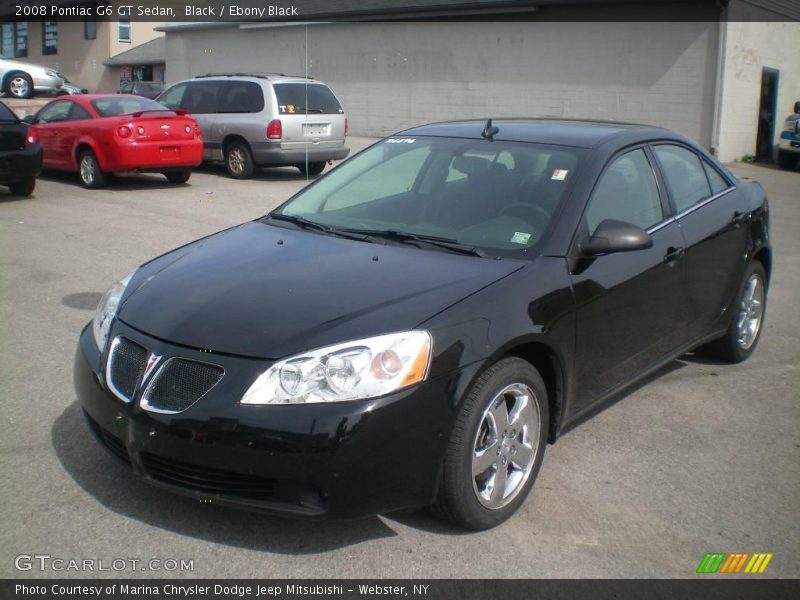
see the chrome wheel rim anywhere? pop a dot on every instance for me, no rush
(505, 446)
(751, 312)
(87, 170)
(19, 86)
(236, 160)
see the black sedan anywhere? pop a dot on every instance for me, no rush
(413, 328)
(20, 154)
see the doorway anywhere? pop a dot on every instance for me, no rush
(767, 108)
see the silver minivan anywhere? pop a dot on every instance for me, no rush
(255, 120)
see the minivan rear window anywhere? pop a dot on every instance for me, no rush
(306, 98)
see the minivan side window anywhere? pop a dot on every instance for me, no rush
(201, 97)
(240, 97)
(684, 174)
(302, 98)
(173, 97)
(627, 191)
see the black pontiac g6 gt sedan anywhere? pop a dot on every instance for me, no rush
(413, 328)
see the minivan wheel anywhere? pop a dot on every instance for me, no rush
(787, 160)
(747, 319)
(92, 177)
(20, 85)
(23, 187)
(178, 176)
(496, 448)
(314, 168)
(239, 160)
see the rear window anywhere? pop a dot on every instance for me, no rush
(6, 114)
(240, 97)
(121, 105)
(306, 98)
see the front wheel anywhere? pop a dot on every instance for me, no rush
(496, 448)
(747, 319)
(178, 177)
(24, 187)
(314, 168)
(20, 85)
(92, 176)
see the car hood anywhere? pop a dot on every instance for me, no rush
(265, 291)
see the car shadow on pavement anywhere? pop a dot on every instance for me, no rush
(121, 183)
(119, 490)
(261, 173)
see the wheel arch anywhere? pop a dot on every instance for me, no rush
(84, 144)
(11, 74)
(234, 137)
(764, 256)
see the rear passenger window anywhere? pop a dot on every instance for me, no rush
(201, 97)
(626, 191)
(302, 98)
(718, 184)
(240, 97)
(685, 175)
(173, 97)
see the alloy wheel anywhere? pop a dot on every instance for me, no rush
(87, 170)
(751, 312)
(19, 87)
(236, 160)
(505, 446)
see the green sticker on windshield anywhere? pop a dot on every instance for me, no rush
(520, 237)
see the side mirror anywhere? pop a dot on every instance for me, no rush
(615, 236)
(29, 119)
(797, 107)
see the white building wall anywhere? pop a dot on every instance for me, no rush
(392, 76)
(748, 48)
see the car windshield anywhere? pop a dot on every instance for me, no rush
(122, 105)
(492, 195)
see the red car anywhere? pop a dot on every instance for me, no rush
(97, 134)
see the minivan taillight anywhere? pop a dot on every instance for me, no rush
(275, 129)
(32, 137)
(346, 126)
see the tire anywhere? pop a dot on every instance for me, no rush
(23, 187)
(314, 168)
(787, 160)
(466, 496)
(736, 346)
(19, 85)
(178, 177)
(92, 177)
(239, 160)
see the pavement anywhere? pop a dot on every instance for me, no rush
(704, 457)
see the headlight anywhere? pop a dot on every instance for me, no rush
(355, 370)
(107, 310)
(51, 74)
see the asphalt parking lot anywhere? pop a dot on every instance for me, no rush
(705, 457)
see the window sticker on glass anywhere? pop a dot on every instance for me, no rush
(520, 238)
(401, 140)
(560, 174)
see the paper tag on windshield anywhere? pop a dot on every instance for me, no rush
(559, 174)
(520, 238)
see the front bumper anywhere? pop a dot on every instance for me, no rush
(44, 84)
(339, 460)
(20, 164)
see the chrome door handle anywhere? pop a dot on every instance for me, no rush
(673, 254)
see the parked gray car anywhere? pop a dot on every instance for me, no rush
(254, 120)
(21, 80)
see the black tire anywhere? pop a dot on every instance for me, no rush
(178, 177)
(314, 168)
(458, 499)
(91, 175)
(787, 160)
(23, 187)
(730, 347)
(239, 160)
(19, 85)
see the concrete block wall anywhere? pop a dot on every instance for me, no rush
(392, 76)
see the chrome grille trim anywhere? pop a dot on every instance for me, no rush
(145, 404)
(112, 355)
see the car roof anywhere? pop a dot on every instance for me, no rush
(581, 133)
(256, 77)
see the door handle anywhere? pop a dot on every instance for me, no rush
(673, 254)
(739, 218)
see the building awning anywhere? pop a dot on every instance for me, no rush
(149, 53)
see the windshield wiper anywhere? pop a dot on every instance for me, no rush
(307, 224)
(433, 240)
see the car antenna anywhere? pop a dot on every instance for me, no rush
(489, 131)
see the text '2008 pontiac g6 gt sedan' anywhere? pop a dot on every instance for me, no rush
(414, 327)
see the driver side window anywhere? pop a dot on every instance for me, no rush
(626, 191)
(58, 111)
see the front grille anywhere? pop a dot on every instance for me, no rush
(179, 384)
(126, 363)
(112, 443)
(205, 479)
